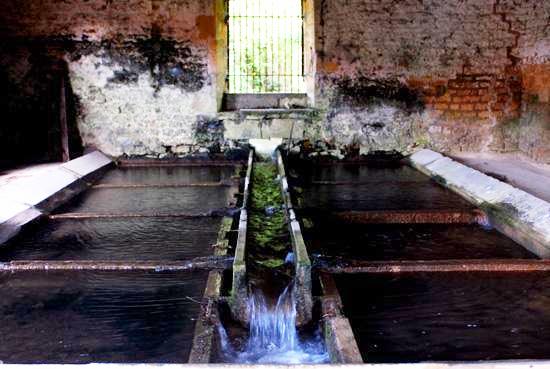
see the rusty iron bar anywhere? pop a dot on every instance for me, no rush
(472, 216)
(360, 183)
(132, 163)
(209, 263)
(166, 185)
(211, 214)
(340, 266)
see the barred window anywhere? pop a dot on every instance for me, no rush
(266, 46)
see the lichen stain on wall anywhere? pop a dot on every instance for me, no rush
(534, 135)
(141, 69)
(141, 101)
(372, 114)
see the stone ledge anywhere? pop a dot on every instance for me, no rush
(239, 290)
(87, 164)
(519, 215)
(302, 263)
(339, 337)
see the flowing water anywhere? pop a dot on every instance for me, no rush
(273, 336)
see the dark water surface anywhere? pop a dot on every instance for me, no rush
(391, 186)
(151, 200)
(366, 173)
(376, 196)
(166, 175)
(143, 239)
(449, 316)
(409, 242)
(98, 317)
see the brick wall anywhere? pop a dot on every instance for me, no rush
(477, 97)
(462, 59)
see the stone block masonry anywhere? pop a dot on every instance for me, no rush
(146, 76)
(463, 66)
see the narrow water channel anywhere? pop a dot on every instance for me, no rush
(272, 335)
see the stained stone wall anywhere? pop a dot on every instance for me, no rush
(462, 65)
(142, 72)
(146, 76)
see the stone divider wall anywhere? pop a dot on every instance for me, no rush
(302, 264)
(239, 291)
(519, 215)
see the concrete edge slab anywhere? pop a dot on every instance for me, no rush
(517, 214)
(12, 226)
(87, 164)
(425, 157)
(203, 337)
(27, 199)
(36, 189)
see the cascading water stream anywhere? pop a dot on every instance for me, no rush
(273, 336)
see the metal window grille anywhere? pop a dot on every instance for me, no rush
(266, 46)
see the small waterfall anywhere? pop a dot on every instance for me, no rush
(273, 336)
(274, 329)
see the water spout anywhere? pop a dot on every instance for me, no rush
(266, 148)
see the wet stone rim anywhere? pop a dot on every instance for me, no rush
(302, 263)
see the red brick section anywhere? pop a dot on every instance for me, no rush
(475, 96)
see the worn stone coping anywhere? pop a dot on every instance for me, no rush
(298, 244)
(23, 200)
(339, 337)
(519, 215)
(302, 262)
(205, 328)
(268, 111)
(247, 179)
(504, 364)
(239, 290)
(183, 162)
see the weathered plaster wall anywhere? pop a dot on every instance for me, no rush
(447, 74)
(143, 71)
(146, 76)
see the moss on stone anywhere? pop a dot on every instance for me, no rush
(268, 234)
(502, 213)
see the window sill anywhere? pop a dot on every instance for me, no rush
(236, 102)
